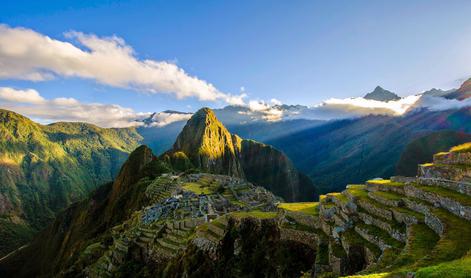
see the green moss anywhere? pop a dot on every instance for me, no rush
(447, 193)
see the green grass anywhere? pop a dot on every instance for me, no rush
(382, 234)
(420, 243)
(451, 194)
(455, 242)
(255, 213)
(357, 190)
(388, 195)
(311, 208)
(419, 216)
(379, 181)
(355, 239)
(454, 269)
(197, 188)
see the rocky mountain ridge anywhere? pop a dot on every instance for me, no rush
(381, 94)
(207, 145)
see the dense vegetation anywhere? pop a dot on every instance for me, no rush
(351, 151)
(46, 168)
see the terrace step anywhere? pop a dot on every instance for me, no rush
(445, 172)
(394, 229)
(350, 240)
(453, 158)
(457, 203)
(386, 185)
(387, 198)
(458, 186)
(377, 236)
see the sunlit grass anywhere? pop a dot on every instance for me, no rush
(311, 208)
(466, 147)
(197, 188)
(254, 213)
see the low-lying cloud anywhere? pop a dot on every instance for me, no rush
(29, 55)
(32, 104)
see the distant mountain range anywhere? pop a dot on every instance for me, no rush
(44, 168)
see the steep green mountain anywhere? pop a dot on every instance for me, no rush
(354, 150)
(206, 144)
(421, 150)
(149, 223)
(43, 169)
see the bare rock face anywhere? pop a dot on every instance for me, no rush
(210, 147)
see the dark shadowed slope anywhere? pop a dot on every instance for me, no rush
(421, 150)
(351, 151)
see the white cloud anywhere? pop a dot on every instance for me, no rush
(438, 103)
(165, 118)
(26, 54)
(22, 96)
(30, 103)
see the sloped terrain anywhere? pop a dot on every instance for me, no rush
(207, 145)
(355, 150)
(43, 169)
(152, 223)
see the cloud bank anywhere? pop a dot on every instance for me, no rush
(29, 55)
(32, 104)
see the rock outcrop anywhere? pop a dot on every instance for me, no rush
(210, 147)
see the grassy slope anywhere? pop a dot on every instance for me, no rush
(46, 168)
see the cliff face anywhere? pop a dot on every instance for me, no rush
(212, 148)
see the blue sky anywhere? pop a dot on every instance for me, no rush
(299, 52)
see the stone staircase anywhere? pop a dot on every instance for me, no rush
(386, 220)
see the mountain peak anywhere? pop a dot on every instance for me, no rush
(462, 93)
(381, 94)
(208, 144)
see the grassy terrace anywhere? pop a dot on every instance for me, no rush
(388, 195)
(420, 243)
(447, 193)
(382, 234)
(386, 182)
(457, 268)
(196, 188)
(455, 242)
(355, 239)
(394, 224)
(417, 215)
(311, 208)
(339, 196)
(254, 213)
(357, 190)
(464, 148)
